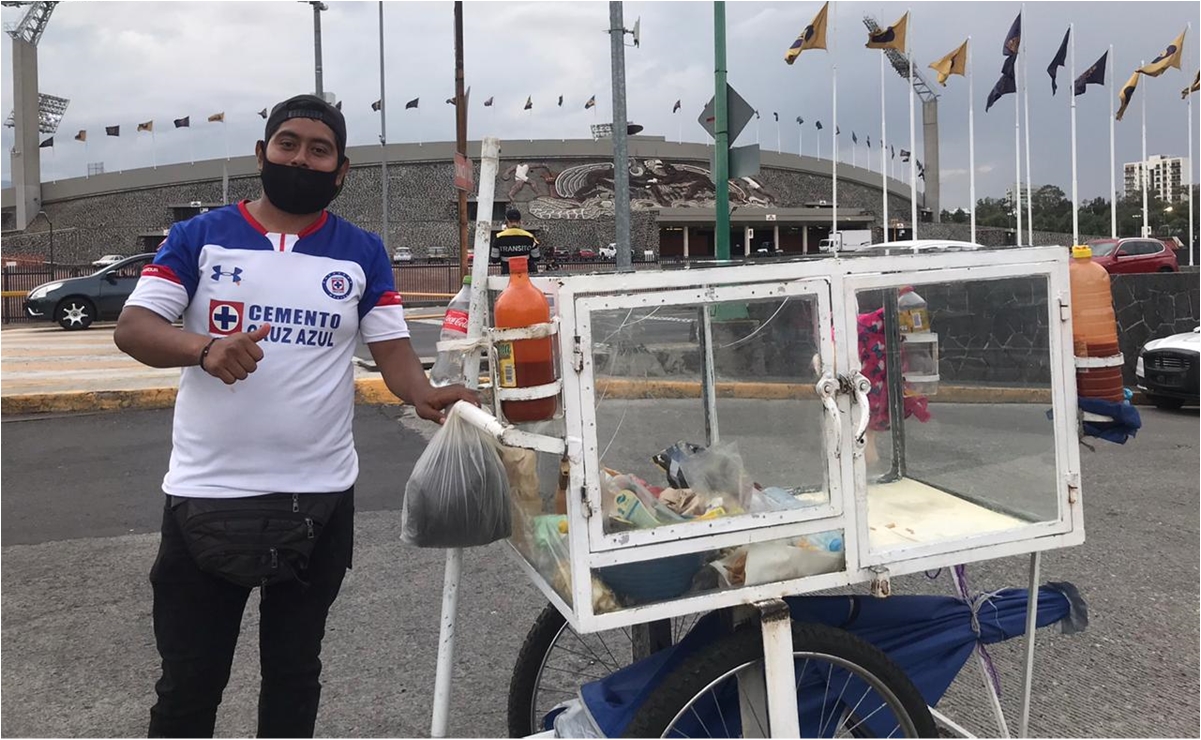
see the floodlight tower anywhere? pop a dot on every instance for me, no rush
(929, 99)
(27, 118)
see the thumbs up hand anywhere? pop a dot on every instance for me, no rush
(235, 357)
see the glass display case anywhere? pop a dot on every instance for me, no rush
(737, 433)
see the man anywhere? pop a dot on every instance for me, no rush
(514, 241)
(273, 294)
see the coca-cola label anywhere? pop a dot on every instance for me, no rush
(455, 321)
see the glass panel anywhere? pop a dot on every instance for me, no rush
(679, 576)
(538, 491)
(652, 435)
(963, 444)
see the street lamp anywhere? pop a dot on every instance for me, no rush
(317, 8)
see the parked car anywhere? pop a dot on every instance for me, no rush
(586, 254)
(78, 302)
(1135, 254)
(1166, 370)
(402, 254)
(559, 253)
(609, 252)
(108, 259)
(439, 254)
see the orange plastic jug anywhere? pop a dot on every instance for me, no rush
(526, 362)
(1094, 328)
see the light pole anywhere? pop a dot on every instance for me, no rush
(317, 8)
(621, 163)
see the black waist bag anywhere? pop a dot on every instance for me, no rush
(255, 541)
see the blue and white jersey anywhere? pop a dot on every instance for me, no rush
(287, 427)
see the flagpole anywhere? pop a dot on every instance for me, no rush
(971, 139)
(1146, 230)
(153, 149)
(779, 148)
(912, 140)
(1072, 93)
(1113, 165)
(883, 149)
(1189, 191)
(834, 82)
(1017, 148)
(1026, 107)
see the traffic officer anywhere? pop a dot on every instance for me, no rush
(514, 241)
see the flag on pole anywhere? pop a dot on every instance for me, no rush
(800, 121)
(1126, 93)
(854, 138)
(488, 103)
(837, 130)
(529, 103)
(813, 37)
(1013, 39)
(756, 115)
(560, 101)
(377, 105)
(185, 122)
(904, 155)
(48, 143)
(450, 101)
(412, 103)
(1061, 58)
(954, 63)
(1193, 87)
(819, 125)
(777, 116)
(892, 37)
(82, 135)
(147, 126)
(675, 107)
(1169, 58)
(112, 130)
(1007, 84)
(892, 151)
(1094, 75)
(217, 118)
(263, 114)
(869, 141)
(592, 103)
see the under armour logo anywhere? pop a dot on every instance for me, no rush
(236, 275)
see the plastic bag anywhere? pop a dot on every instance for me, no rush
(717, 471)
(458, 494)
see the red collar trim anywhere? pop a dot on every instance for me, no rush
(250, 219)
(315, 226)
(310, 229)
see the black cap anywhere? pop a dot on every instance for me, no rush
(512, 215)
(309, 106)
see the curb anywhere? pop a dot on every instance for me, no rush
(373, 391)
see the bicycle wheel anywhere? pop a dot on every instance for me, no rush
(846, 687)
(555, 661)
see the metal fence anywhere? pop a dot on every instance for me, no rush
(432, 283)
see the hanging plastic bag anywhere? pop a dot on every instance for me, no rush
(458, 494)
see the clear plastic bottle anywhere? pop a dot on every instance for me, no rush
(448, 367)
(919, 345)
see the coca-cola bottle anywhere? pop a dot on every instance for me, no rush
(448, 367)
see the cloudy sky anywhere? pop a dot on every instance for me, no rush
(124, 63)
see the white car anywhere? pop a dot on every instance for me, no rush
(402, 254)
(609, 252)
(108, 259)
(1166, 371)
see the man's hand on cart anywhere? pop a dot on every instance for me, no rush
(432, 404)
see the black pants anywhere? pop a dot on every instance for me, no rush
(197, 618)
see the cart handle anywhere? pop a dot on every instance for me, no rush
(862, 387)
(827, 387)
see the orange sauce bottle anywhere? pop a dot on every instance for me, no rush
(527, 362)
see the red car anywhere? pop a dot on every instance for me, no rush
(587, 254)
(1135, 254)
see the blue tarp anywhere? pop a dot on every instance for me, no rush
(929, 637)
(1126, 420)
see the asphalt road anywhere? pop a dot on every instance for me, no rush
(80, 514)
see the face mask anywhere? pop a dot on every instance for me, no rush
(298, 190)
